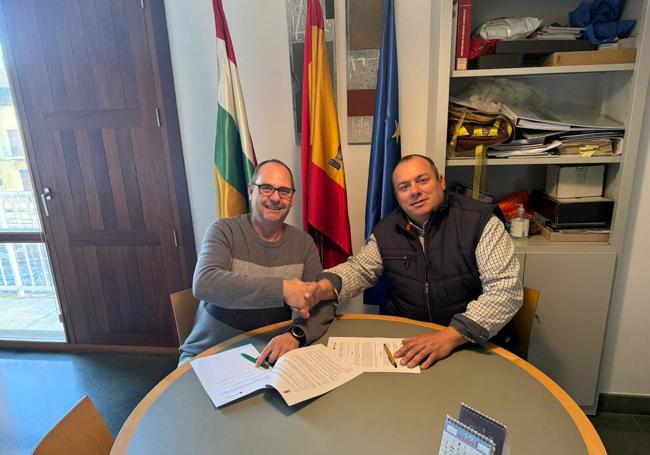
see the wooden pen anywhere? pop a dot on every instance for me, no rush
(390, 356)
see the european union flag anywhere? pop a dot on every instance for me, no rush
(385, 147)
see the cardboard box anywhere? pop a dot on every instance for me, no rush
(602, 57)
(575, 181)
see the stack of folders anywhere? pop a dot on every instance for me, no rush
(592, 143)
(553, 131)
(522, 147)
(473, 433)
(555, 32)
(586, 147)
(560, 131)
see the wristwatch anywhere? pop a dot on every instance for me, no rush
(299, 334)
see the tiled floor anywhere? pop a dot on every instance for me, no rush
(624, 434)
(37, 389)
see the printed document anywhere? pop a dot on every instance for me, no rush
(369, 353)
(298, 375)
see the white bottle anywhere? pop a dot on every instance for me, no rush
(519, 224)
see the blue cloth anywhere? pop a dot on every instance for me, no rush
(385, 149)
(600, 19)
(608, 31)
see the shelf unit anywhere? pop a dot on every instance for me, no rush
(542, 160)
(543, 70)
(615, 91)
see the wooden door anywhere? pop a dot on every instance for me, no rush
(93, 86)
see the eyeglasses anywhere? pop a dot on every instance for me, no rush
(268, 190)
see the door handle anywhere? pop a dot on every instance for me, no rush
(46, 195)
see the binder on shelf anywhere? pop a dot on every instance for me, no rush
(463, 32)
(565, 118)
(600, 57)
(454, 26)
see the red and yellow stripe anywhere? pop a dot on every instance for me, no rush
(325, 208)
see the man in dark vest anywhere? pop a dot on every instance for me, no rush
(445, 259)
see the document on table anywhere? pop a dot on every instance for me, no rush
(298, 375)
(369, 354)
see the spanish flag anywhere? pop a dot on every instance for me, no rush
(325, 203)
(234, 157)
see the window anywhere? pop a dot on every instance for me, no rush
(15, 144)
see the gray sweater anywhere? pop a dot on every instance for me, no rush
(238, 278)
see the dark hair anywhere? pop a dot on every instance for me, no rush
(256, 173)
(425, 158)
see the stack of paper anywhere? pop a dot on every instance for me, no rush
(558, 32)
(507, 150)
(369, 353)
(566, 130)
(300, 374)
(586, 147)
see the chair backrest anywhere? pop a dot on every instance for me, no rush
(81, 431)
(184, 306)
(523, 320)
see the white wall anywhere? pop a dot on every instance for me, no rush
(626, 367)
(259, 34)
(194, 64)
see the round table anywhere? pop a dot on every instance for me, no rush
(375, 413)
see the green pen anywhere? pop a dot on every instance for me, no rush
(265, 365)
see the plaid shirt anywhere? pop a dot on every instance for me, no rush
(498, 269)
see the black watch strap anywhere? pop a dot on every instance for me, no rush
(299, 334)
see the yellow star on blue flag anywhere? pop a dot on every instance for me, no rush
(396, 134)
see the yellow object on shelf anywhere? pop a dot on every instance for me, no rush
(601, 57)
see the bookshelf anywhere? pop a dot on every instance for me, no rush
(575, 279)
(543, 70)
(535, 161)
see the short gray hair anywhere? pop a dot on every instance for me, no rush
(256, 173)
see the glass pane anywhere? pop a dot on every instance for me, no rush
(18, 212)
(28, 302)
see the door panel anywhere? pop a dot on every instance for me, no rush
(567, 338)
(87, 74)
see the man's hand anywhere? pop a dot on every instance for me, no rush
(425, 349)
(295, 293)
(319, 291)
(277, 347)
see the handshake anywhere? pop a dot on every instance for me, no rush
(303, 296)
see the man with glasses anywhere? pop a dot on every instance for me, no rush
(252, 270)
(445, 259)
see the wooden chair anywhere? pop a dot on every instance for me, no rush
(523, 320)
(184, 306)
(81, 431)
